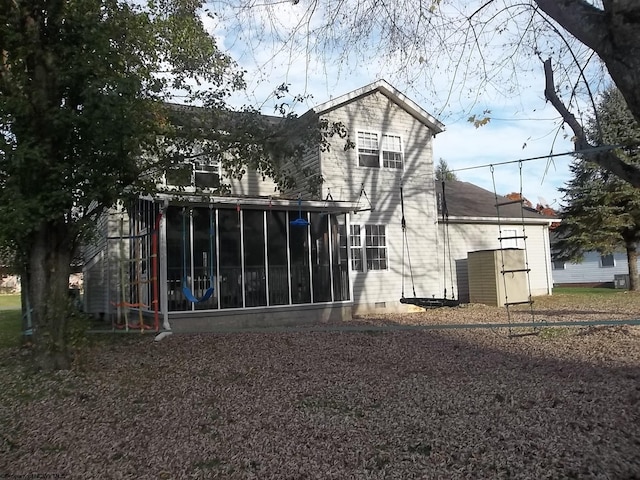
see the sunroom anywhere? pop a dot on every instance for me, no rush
(190, 263)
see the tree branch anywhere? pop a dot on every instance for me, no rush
(580, 19)
(608, 160)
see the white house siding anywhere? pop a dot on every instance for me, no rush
(589, 270)
(344, 179)
(469, 237)
(101, 256)
(304, 184)
(251, 184)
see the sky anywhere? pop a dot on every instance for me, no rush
(522, 126)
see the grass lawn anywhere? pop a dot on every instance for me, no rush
(586, 291)
(10, 321)
(10, 301)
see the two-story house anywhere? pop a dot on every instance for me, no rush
(191, 261)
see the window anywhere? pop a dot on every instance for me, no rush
(202, 174)
(607, 261)
(557, 265)
(508, 238)
(355, 243)
(391, 151)
(368, 150)
(206, 174)
(376, 247)
(370, 251)
(378, 151)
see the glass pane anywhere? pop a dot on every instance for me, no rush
(299, 251)
(254, 267)
(207, 180)
(179, 176)
(277, 258)
(368, 159)
(321, 268)
(204, 258)
(230, 259)
(368, 149)
(178, 254)
(607, 261)
(340, 259)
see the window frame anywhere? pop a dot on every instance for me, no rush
(558, 265)
(362, 246)
(509, 242)
(602, 261)
(198, 165)
(364, 135)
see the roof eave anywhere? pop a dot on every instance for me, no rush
(390, 92)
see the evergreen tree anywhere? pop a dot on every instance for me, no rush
(444, 173)
(602, 212)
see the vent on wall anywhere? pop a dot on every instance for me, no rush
(380, 304)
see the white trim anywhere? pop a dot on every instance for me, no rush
(503, 221)
(392, 94)
(363, 247)
(270, 202)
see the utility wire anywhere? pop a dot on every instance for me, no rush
(603, 148)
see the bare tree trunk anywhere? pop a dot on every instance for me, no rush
(49, 270)
(632, 258)
(608, 159)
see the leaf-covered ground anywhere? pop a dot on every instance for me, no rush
(403, 404)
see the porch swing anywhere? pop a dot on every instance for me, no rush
(426, 302)
(186, 291)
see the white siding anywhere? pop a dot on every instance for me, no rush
(469, 237)
(102, 257)
(590, 271)
(345, 178)
(252, 184)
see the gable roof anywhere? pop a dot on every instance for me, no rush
(392, 94)
(466, 200)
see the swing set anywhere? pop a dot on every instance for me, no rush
(426, 302)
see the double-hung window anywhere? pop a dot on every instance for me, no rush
(202, 173)
(368, 244)
(379, 150)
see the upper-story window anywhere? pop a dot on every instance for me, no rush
(379, 150)
(201, 173)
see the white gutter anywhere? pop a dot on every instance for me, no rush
(509, 220)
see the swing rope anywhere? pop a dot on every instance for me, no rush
(186, 291)
(446, 251)
(405, 246)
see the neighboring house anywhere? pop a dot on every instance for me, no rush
(252, 258)
(474, 224)
(594, 270)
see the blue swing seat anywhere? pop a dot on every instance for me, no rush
(192, 298)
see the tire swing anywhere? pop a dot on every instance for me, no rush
(186, 291)
(426, 302)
